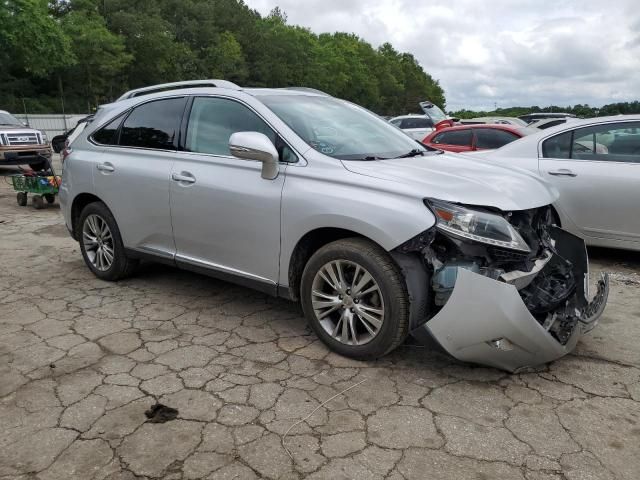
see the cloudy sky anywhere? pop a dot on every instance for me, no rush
(504, 52)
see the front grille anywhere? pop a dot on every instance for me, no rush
(27, 138)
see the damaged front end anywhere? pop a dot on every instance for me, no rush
(509, 290)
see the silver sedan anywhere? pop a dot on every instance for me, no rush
(595, 165)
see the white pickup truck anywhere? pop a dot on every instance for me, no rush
(21, 145)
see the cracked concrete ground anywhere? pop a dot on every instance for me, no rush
(81, 360)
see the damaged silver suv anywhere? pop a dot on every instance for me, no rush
(308, 197)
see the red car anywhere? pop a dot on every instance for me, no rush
(467, 138)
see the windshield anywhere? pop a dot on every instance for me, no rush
(8, 119)
(340, 129)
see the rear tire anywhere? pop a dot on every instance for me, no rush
(22, 198)
(101, 244)
(49, 197)
(376, 322)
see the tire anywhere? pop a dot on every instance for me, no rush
(49, 197)
(92, 219)
(389, 296)
(22, 198)
(38, 202)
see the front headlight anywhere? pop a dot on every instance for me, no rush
(476, 225)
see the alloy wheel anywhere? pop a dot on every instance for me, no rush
(98, 242)
(347, 302)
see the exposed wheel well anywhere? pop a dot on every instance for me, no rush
(78, 205)
(306, 247)
(556, 216)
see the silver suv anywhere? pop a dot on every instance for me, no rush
(305, 196)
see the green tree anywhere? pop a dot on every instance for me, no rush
(101, 54)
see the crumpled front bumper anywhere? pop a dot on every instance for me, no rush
(485, 321)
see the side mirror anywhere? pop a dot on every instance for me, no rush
(256, 146)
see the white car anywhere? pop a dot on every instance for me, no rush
(595, 165)
(416, 126)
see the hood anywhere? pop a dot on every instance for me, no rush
(470, 181)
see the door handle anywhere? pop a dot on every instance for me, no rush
(563, 172)
(105, 167)
(185, 177)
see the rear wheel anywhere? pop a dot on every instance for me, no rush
(355, 298)
(49, 197)
(22, 198)
(101, 244)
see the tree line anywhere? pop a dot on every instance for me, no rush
(88, 52)
(582, 111)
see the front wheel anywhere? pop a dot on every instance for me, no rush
(101, 244)
(355, 298)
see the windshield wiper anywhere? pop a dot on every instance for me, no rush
(413, 153)
(368, 158)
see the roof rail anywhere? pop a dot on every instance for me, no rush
(308, 89)
(162, 87)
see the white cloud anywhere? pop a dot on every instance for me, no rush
(511, 52)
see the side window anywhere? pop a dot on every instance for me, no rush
(423, 123)
(396, 122)
(493, 138)
(153, 125)
(416, 123)
(107, 134)
(454, 137)
(558, 146)
(617, 142)
(213, 120)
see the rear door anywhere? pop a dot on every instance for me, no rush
(454, 140)
(597, 171)
(226, 217)
(132, 173)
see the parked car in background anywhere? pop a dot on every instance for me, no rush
(21, 145)
(416, 126)
(516, 122)
(439, 118)
(468, 138)
(595, 165)
(532, 117)
(377, 236)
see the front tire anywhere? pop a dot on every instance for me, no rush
(101, 244)
(355, 299)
